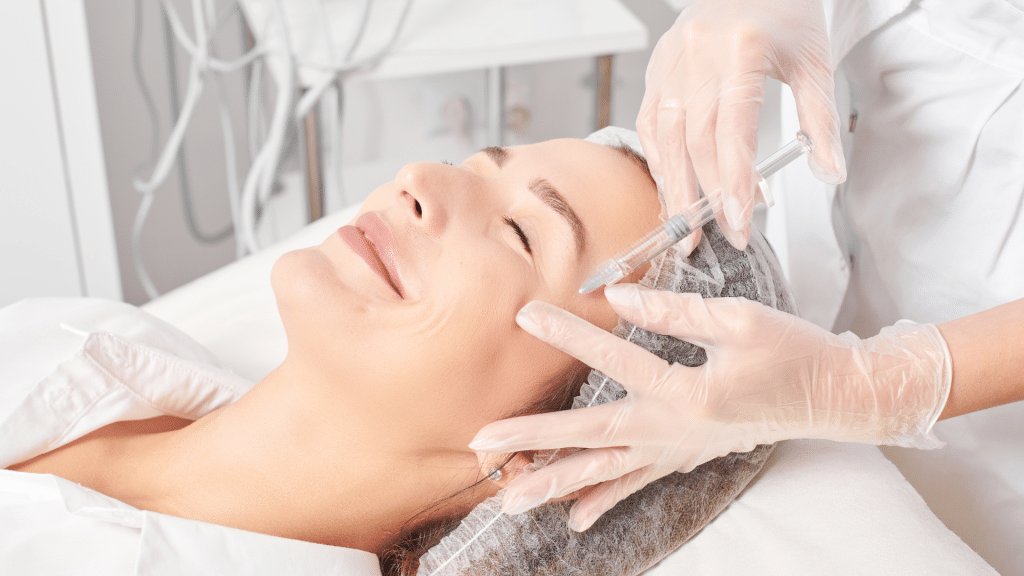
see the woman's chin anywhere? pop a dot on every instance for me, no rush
(306, 288)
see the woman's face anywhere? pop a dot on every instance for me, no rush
(411, 309)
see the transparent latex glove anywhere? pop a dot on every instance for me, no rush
(769, 376)
(705, 86)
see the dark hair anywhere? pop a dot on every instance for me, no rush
(402, 557)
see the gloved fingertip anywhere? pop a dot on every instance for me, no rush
(738, 238)
(622, 295)
(736, 213)
(486, 444)
(828, 164)
(588, 510)
(574, 524)
(528, 320)
(581, 517)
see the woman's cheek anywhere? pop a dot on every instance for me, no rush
(378, 200)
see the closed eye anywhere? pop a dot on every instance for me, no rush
(519, 231)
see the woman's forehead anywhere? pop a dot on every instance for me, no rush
(610, 190)
(577, 163)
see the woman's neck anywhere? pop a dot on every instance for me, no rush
(294, 458)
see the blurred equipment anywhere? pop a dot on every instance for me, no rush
(310, 48)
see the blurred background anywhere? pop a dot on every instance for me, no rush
(95, 89)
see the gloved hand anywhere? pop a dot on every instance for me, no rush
(769, 376)
(705, 86)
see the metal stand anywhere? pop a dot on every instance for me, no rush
(603, 92)
(313, 164)
(496, 106)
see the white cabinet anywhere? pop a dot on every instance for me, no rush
(56, 232)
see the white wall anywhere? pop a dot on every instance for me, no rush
(55, 227)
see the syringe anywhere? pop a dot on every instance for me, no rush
(693, 218)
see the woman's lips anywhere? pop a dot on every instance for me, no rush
(371, 240)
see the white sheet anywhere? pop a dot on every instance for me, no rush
(818, 508)
(71, 365)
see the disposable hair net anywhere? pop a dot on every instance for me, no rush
(651, 523)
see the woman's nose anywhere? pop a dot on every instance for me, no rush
(431, 193)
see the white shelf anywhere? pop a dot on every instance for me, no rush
(469, 34)
(451, 35)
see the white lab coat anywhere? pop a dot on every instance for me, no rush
(64, 374)
(930, 223)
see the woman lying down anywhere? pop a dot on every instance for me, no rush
(402, 344)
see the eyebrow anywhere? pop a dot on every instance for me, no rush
(497, 154)
(549, 195)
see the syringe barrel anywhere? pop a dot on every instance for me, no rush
(702, 211)
(672, 231)
(655, 242)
